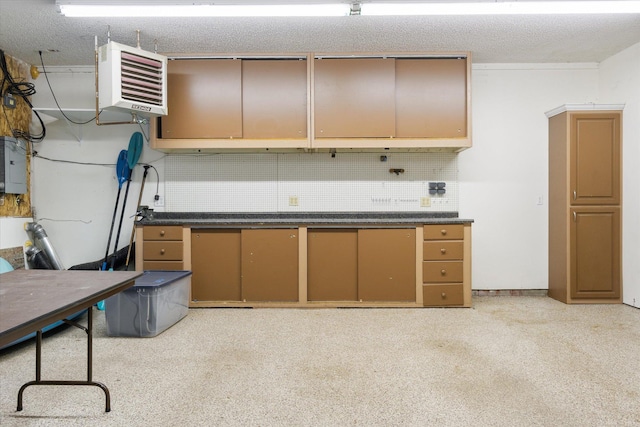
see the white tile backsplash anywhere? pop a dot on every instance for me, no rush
(347, 182)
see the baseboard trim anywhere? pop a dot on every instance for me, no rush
(509, 293)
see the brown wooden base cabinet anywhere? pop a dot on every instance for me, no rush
(163, 248)
(244, 265)
(327, 266)
(443, 267)
(367, 265)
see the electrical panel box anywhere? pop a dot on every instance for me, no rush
(13, 166)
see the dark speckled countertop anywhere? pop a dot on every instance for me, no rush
(331, 219)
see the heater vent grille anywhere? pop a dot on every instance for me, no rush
(142, 79)
(132, 79)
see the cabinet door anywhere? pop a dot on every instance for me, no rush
(274, 99)
(387, 264)
(332, 265)
(215, 262)
(354, 98)
(595, 253)
(595, 159)
(204, 99)
(269, 264)
(431, 98)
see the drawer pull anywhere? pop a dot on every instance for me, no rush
(444, 295)
(443, 272)
(161, 251)
(443, 251)
(162, 232)
(443, 232)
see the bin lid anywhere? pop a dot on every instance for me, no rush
(152, 278)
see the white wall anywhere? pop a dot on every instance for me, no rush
(503, 179)
(74, 180)
(12, 232)
(620, 83)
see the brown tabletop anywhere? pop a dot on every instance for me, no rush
(33, 299)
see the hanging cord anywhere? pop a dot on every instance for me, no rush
(157, 195)
(46, 75)
(24, 90)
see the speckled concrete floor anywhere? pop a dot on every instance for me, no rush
(509, 361)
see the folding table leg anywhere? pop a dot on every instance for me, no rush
(89, 381)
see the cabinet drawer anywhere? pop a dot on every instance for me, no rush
(163, 265)
(442, 250)
(439, 295)
(444, 232)
(162, 251)
(442, 271)
(160, 232)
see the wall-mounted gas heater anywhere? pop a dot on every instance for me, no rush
(129, 78)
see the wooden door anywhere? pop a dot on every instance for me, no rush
(215, 262)
(354, 98)
(204, 99)
(595, 253)
(332, 265)
(431, 98)
(387, 264)
(269, 264)
(595, 159)
(274, 99)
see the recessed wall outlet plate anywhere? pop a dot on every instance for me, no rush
(159, 202)
(425, 202)
(293, 200)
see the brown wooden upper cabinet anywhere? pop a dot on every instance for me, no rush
(250, 102)
(391, 101)
(317, 101)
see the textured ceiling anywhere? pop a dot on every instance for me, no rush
(27, 26)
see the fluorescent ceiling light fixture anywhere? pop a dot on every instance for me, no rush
(502, 8)
(158, 8)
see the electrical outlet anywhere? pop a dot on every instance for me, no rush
(9, 101)
(293, 200)
(425, 202)
(159, 202)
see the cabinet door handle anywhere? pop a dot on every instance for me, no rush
(575, 195)
(575, 216)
